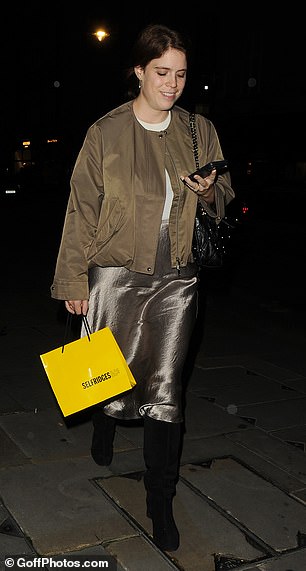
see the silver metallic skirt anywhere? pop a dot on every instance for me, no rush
(152, 318)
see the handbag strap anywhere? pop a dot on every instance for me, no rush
(219, 202)
(68, 328)
(194, 138)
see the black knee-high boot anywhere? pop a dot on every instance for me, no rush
(162, 442)
(103, 437)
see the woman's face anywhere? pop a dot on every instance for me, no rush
(163, 80)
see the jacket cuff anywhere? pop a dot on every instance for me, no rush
(69, 290)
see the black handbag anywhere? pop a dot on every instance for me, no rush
(210, 239)
(211, 236)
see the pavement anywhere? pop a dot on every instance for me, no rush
(241, 497)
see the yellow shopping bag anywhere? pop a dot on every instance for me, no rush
(87, 371)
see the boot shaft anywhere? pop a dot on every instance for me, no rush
(161, 450)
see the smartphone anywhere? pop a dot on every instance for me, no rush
(220, 166)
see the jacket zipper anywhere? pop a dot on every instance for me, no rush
(178, 261)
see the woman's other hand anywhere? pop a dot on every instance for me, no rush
(203, 187)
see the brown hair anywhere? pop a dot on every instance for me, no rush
(152, 43)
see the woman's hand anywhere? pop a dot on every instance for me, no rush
(77, 306)
(203, 187)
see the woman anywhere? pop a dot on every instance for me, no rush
(125, 257)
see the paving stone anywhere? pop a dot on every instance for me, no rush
(12, 541)
(205, 419)
(286, 457)
(300, 495)
(39, 397)
(10, 453)
(237, 386)
(276, 415)
(25, 342)
(127, 461)
(3, 513)
(295, 435)
(250, 362)
(8, 402)
(297, 384)
(136, 554)
(273, 369)
(286, 562)
(59, 507)
(215, 377)
(132, 433)
(8, 526)
(248, 452)
(45, 435)
(11, 546)
(203, 530)
(277, 518)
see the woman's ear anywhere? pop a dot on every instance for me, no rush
(138, 70)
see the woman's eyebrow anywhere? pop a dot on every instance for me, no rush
(168, 68)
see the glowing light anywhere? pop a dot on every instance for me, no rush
(101, 35)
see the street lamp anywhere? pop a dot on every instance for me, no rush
(101, 35)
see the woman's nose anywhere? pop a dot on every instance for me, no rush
(172, 80)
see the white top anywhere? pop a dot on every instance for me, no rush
(169, 192)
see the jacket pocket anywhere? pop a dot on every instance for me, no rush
(108, 224)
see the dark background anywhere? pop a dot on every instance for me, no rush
(252, 58)
(44, 43)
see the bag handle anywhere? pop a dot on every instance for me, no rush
(68, 328)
